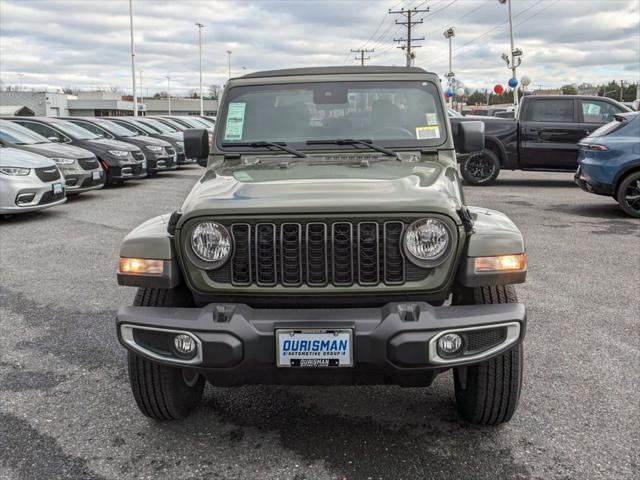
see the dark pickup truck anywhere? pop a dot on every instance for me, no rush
(543, 136)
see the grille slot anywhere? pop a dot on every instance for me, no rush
(265, 255)
(482, 340)
(317, 254)
(88, 163)
(48, 174)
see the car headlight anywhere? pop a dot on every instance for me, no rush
(118, 153)
(14, 171)
(427, 242)
(211, 243)
(153, 148)
(64, 161)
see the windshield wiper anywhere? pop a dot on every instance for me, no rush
(351, 141)
(279, 145)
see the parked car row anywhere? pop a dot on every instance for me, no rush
(44, 159)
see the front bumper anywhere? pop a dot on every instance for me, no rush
(161, 163)
(83, 181)
(27, 193)
(395, 343)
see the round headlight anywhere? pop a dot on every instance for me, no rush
(427, 240)
(211, 242)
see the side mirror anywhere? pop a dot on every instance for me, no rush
(470, 137)
(53, 139)
(196, 145)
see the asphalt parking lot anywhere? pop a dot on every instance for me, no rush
(66, 410)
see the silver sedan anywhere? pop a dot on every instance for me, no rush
(28, 182)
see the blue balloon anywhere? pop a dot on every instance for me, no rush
(450, 93)
(513, 82)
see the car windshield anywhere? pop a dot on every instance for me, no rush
(74, 131)
(19, 135)
(159, 126)
(115, 129)
(141, 126)
(193, 122)
(389, 113)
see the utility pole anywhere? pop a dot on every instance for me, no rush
(515, 53)
(621, 88)
(169, 92)
(361, 57)
(133, 62)
(449, 34)
(200, 27)
(408, 14)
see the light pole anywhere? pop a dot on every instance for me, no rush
(20, 75)
(133, 61)
(169, 92)
(200, 27)
(515, 53)
(141, 91)
(229, 52)
(449, 34)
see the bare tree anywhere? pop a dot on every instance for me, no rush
(214, 91)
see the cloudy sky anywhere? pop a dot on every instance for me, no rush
(85, 44)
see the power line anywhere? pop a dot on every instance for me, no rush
(361, 57)
(409, 42)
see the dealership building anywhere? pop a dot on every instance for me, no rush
(99, 104)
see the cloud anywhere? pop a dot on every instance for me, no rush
(56, 43)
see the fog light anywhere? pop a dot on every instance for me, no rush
(450, 344)
(185, 345)
(23, 198)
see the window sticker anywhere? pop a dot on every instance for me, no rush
(243, 176)
(427, 132)
(235, 121)
(432, 119)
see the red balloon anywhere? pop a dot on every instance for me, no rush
(498, 89)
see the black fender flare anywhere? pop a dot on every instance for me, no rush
(506, 161)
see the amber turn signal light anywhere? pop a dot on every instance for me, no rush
(502, 263)
(140, 266)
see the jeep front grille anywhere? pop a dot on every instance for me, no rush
(317, 254)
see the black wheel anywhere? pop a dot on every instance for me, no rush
(488, 393)
(629, 195)
(480, 168)
(163, 392)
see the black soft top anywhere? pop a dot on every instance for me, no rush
(370, 69)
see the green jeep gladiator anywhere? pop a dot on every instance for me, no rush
(328, 243)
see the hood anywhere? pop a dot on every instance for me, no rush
(109, 144)
(142, 140)
(55, 150)
(325, 187)
(12, 157)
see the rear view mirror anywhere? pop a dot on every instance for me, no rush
(470, 137)
(196, 145)
(53, 139)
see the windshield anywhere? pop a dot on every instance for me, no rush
(141, 126)
(74, 131)
(390, 113)
(19, 135)
(115, 129)
(192, 122)
(159, 126)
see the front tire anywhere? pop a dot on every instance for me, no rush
(163, 392)
(628, 195)
(481, 168)
(488, 393)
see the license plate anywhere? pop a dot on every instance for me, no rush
(57, 188)
(314, 348)
(97, 175)
(144, 164)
